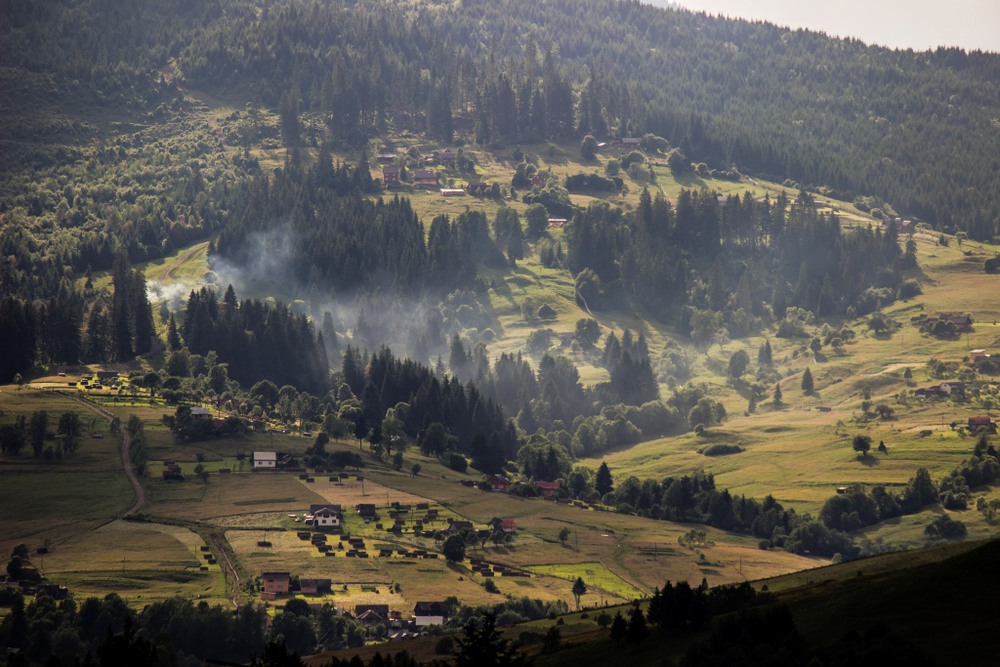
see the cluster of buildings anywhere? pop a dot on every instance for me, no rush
(275, 584)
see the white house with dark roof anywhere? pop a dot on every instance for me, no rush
(267, 460)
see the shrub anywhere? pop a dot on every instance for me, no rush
(457, 462)
(719, 449)
(946, 527)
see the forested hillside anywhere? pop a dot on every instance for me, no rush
(108, 158)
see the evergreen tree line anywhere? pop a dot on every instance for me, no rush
(326, 241)
(258, 341)
(118, 327)
(474, 424)
(742, 258)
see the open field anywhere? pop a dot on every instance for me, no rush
(142, 562)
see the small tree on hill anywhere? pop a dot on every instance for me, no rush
(738, 364)
(454, 549)
(807, 382)
(588, 148)
(777, 395)
(579, 590)
(862, 443)
(603, 482)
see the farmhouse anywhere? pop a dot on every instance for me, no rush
(430, 613)
(276, 583)
(425, 177)
(985, 423)
(265, 459)
(385, 158)
(498, 483)
(508, 525)
(198, 412)
(391, 174)
(963, 322)
(327, 516)
(556, 223)
(372, 613)
(901, 226)
(315, 586)
(447, 157)
(547, 489)
(978, 354)
(459, 526)
(631, 142)
(172, 472)
(943, 390)
(452, 192)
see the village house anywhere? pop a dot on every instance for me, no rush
(325, 516)
(943, 390)
(631, 142)
(391, 174)
(172, 472)
(430, 613)
(265, 460)
(963, 322)
(547, 489)
(371, 614)
(447, 157)
(107, 377)
(452, 192)
(498, 483)
(978, 354)
(276, 583)
(556, 223)
(315, 586)
(425, 177)
(478, 189)
(459, 526)
(385, 158)
(984, 423)
(901, 226)
(198, 412)
(508, 525)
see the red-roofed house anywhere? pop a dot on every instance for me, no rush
(498, 483)
(508, 525)
(547, 489)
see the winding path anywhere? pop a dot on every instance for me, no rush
(140, 495)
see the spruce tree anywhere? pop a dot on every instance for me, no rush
(604, 483)
(807, 382)
(777, 394)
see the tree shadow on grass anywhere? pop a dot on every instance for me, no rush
(869, 460)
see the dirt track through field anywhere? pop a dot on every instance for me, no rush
(140, 495)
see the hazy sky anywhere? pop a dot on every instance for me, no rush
(916, 24)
